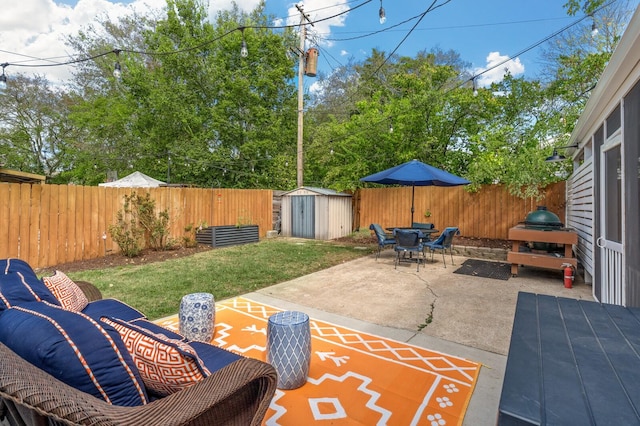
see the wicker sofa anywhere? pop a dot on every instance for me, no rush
(239, 393)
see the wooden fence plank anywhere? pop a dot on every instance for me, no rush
(52, 249)
(93, 233)
(5, 189)
(34, 224)
(61, 236)
(13, 224)
(72, 230)
(25, 219)
(45, 238)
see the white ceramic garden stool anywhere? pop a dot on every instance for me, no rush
(197, 316)
(289, 347)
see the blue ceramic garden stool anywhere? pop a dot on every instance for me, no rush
(197, 316)
(289, 347)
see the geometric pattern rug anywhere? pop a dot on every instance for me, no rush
(355, 378)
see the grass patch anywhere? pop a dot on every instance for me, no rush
(429, 318)
(156, 288)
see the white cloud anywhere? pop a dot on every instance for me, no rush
(218, 5)
(33, 31)
(498, 66)
(317, 10)
(343, 52)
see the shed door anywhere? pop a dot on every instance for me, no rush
(303, 222)
(610, 240)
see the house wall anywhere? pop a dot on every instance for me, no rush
(617, 89)
(580, 210)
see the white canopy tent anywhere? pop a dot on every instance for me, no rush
(135, 180)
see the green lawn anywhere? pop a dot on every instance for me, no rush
(156, 289)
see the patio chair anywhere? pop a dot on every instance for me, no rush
(443, 242)
(408, 241)
(384, 239)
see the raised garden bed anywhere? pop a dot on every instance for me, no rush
(228, 235)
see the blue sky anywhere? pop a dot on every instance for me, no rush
(482, 32)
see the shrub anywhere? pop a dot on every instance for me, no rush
(126, 232)
(138, 220)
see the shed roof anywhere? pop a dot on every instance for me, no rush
(15, 176)
(319, 191)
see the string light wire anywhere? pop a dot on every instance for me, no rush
(174, 52)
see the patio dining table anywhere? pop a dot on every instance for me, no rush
(426, 233)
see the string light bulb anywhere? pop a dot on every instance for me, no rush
(594, 28)
(3, 80)
(475, 86)
(244, 52)
(117, 69)
(382, 14)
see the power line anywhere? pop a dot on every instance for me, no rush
(509, 58)
(364, 34)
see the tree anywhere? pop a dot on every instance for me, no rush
(188, 106)
(36, 135)
(588, 6)
(101, 109)
(401, 108)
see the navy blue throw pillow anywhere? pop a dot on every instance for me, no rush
(75, 349)
(19, 284)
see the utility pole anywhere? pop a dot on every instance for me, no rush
(301, 57)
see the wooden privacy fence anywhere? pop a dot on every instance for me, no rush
(47, 225)
(51, 224)
(488, 213)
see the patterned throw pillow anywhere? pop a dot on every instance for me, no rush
(166, 365)
(66, 291)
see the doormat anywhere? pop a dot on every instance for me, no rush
(485, 269)
(355, 378)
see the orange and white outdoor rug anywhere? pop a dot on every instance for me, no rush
(355, 378)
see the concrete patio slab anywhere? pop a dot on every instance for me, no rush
(434, 308)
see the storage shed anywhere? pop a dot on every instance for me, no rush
(316, 213)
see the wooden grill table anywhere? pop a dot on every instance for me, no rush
(571, 362)
(519, 235)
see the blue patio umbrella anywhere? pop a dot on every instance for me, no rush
(415, 173)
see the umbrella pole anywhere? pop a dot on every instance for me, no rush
(413, 194)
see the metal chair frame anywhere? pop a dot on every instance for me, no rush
(384, 239)
(443, 242)
(408, 241)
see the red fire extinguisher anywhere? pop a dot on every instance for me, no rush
(568, 275)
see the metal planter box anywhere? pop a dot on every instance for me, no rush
(228, 235)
